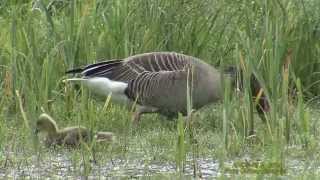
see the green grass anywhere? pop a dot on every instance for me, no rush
(38, 46)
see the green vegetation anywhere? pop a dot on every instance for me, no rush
(277, 40)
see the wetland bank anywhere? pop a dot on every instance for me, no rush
(276, 40)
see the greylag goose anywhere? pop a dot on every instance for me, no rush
(157, 82)
(70, 136)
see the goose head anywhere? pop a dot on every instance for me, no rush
(257, 91)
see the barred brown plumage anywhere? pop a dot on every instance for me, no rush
(158, 81)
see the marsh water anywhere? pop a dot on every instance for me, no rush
(61, 164)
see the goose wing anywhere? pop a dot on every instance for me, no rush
(130, 68)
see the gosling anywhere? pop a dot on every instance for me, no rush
(70, 136)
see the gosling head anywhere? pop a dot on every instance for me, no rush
(45, 123)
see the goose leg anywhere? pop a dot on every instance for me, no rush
(142, 110)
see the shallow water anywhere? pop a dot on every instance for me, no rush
(61, 165)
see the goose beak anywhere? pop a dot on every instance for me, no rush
(262, 103)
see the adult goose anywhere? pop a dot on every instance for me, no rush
(69, 136)
(158, 81)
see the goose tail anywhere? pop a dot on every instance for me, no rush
(74, 71)
(104, 87)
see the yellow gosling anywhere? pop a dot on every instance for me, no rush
(70, 136)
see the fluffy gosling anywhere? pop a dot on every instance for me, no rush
(70, 136)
